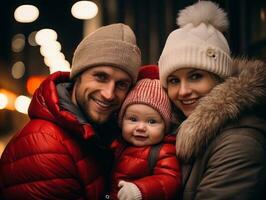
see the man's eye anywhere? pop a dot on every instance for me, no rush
(123, 85)
(101, 77)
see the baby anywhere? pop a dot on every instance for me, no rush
(145, 118)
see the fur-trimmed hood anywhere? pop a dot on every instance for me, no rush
(245, 90)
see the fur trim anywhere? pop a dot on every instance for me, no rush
(203, 12)
(246, 90)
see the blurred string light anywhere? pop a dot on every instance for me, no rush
(263, 14)
(31, 39)
(18, 70)
(84, 10)
(10, 101)
(18, 43)
(54, 59)
(22, 104)
(62, 65)
(50, 49)
(7, 99)
(2, 147)
(26, 13)
(45, 35)
(3, 101)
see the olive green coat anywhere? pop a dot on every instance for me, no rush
(222, 144)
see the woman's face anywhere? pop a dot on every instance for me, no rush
(186, 86)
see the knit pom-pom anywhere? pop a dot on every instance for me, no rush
(203, 12)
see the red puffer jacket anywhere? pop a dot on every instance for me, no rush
(132, 165)
(53, 156)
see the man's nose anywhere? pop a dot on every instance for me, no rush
(108, 91)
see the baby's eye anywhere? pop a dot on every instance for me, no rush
(133, 119)
(152, 121)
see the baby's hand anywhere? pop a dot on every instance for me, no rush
(128, 191)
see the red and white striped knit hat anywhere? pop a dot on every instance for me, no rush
(151, 93)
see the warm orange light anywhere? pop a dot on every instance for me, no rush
(10, 97)
(33, 83)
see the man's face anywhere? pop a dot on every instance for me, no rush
(100, 91)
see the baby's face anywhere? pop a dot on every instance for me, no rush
(142, 125)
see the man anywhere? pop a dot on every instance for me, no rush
(62, 153)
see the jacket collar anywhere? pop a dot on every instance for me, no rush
(65, 102)
(46, 105)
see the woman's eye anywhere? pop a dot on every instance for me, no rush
(196, 76)
(172, 81)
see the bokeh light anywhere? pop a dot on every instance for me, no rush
(45, 35)
(26, 13)
(84, 10)
(22, 104)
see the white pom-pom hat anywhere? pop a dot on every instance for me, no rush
(198, 43)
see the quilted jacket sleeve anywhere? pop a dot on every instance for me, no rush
(37, 165)
(165, 181)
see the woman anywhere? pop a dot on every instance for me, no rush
(222, 141)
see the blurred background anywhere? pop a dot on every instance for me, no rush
(38, 37)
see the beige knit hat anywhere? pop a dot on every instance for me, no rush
(151, 93)
(113, 45)
(198, 43)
